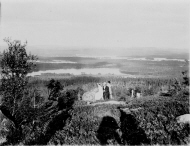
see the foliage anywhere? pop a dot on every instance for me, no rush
(185, 78)
(15, 65)
(158, 119)
(67, 99)
(83, 127)
(181, 84)
(147, 92)
(52, 117)
(54, 88)
(154, 124)
(185, 74)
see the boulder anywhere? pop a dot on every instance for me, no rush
(183, 119)
(89, 96)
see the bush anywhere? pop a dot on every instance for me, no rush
(158, 119)
(147, 92)
(54, 88)
(67, 99)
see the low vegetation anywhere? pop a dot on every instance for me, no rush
(153, 121)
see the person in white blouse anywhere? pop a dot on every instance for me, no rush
(99, 94)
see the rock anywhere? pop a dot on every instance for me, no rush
(183, 119)
(136, 109)
(2, 140)
(138, 95)
(89, 96)
(109, 102)
(88, 102)
(126, 110)
(4, 124)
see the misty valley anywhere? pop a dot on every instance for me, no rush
(124, 66)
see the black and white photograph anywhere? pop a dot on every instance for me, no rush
(94, 72)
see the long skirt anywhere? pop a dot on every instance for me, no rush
(106, 95)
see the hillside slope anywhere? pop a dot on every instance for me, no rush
(151, 120)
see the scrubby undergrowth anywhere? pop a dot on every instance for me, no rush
(154, 123)
(148, 120)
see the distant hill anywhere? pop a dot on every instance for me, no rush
(59, 51)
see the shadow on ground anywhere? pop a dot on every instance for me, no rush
(132, 134)
(128, 133)
(108, 131)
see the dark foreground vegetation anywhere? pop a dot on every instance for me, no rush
(40, 112)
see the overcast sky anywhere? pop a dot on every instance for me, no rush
(97, 23)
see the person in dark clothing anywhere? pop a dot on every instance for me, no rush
(110, 90)
(106, 90)
(107, 94)
(104, 87)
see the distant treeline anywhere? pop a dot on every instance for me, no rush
(53, 66)
(120, 85)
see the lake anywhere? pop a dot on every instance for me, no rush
(93, 71)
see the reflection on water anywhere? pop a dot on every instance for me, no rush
(93, 71)
(56, 61)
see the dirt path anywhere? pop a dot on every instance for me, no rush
(108, 102)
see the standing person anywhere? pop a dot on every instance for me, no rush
(105, 91)
(110, 91)
(132, 93)
(99, 94)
